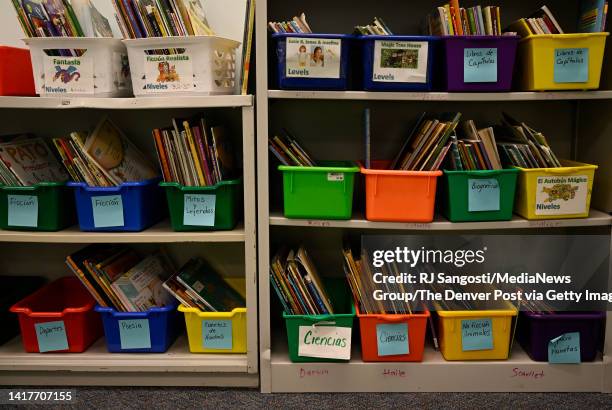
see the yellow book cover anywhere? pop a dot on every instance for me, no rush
(194, 153)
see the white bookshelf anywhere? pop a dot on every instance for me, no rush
(232, 253)
(577, 123)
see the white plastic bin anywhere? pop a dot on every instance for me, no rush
(102, 70)
(194, 65)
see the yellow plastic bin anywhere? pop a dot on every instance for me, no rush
(476, 334)
(555, 193)
(217, 332)
(561, 61)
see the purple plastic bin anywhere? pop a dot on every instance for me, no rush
(453, 50)
(535, 330)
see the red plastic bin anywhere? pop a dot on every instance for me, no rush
(417, 329)
(16, 77)
(65, 304)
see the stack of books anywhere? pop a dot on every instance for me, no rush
(197, 285)
(194, 154)
(296, 25)
(378, 27)
(297, 284)
(104, 157)
(118, 277)
(476, 151)
(289, 151)
(453, 20)
(542, 21)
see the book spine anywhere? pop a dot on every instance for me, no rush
(455, 153)
(281, 295)
(194, 154)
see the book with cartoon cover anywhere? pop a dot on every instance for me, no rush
(31, 161)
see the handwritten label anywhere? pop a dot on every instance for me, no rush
(199, 210)
(476, 334)
(169, 73)
(134, 334)
(313, 57)
(571, 65)
(480, 65)
(483, 195)
(392, 339)
(565, 348)
(325, 342)
(68, 75)
(217, 334)
(394, 373)
(400, 61)
(51, 336)
(107, 211)
(561, 195)
(312, 372)
(335, 176)
(23, 210)
(527, 374)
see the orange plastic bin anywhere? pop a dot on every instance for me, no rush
(399, 196)
(376, 329)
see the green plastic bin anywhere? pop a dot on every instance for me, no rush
(323, 192)
(213, 208)
(482, 195)
(46, 206)
(341, 302)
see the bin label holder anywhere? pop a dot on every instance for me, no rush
(400, 61)
(313, 57)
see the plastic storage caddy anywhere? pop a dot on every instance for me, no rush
(218, 332)
(312, 61)
(101, 71)
(14, 288)
(204, 208)
(399, 196)
(481, 195)
(555, 193)
(463, 334)
(59, 317)
(324, 192)
(46, 206)
(375, 328)
(16, 77)
(561, 61)
(397, 63)
(193, 65)
(152, 331)
(129, 207)
(536, 330)
(342, 318)
(478, 63)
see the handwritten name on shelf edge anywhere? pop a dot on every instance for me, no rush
(312, 372)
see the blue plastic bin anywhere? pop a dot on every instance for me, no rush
(129, 207)
(396, 61)
(164, 325)
(310, 75)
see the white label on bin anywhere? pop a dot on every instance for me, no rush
(335, 176)
(23, 210)
(168, 73)
(199, 210)
(325, 342)
(313, 57)
(107, 211)
(561, 195)
(400, 61)
(571, 65)
(134, 333)
(483, 195)
(51, 336)
(480, 65)
(69, 75)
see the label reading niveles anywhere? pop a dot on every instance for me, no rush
(23, 210)
(168, 73)
(313, 57)
(483, 195)
(480, 65)
(68, 75)
(107, 211)
(51, 336)
(392, 339)
(217, 334)
(199, 210)
(565, 348)
(335, 176)
(134, 334)
(561, 195)
(325, 342)
(476, 334)
(400, 61)
(571, 65)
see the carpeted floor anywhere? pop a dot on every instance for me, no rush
(192, 398)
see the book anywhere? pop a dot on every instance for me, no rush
(247, 44)
(454, 20)
(30, 160)
(592, 16)
(297, 24)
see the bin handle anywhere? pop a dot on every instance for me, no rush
(562, 171)
(391, 318)
(324, 322)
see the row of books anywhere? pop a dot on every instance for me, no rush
(194, 154)
(297, 24)
(289, 151)
(378, 27)
(452, 20)
(542, 21)
(297, 284)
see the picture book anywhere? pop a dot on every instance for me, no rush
(30, 161)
